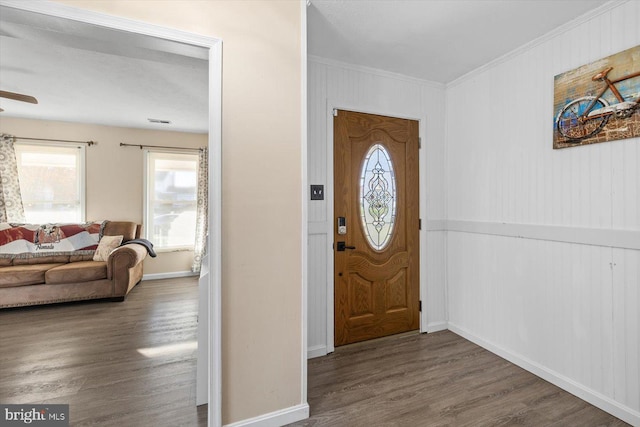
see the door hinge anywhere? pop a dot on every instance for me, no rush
(335, 112)
(419, 143)
(420, 224)
(420, 306)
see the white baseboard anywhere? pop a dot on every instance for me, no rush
(317, 351)
(437, 326)
(277, 418)
(593, 397)
(170, 275)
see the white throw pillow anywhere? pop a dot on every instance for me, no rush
(106, 246)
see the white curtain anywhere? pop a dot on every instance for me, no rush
(11, 208)
(202, 214)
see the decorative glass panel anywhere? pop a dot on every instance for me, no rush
(378, 197)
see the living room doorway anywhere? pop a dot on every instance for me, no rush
(154, 38)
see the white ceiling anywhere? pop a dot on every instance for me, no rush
(90, 74)
(436, 40)
(85, 73)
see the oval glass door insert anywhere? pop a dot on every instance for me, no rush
(377, 197)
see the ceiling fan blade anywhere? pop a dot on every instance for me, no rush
(18, 97)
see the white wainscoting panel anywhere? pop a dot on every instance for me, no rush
(336, 85)
(543, 258)
(434, 302)
(317, 294)
(569, 309)
(626, 328)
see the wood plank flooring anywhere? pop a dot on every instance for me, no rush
(437, 379)
(91, 355)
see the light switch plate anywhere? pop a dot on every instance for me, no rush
(317, 192)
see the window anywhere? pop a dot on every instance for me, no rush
(171, 199)
(378, 197)
(51, 182)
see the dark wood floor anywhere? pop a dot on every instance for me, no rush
(91, 356)
(437, 379)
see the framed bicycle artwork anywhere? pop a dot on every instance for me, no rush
(598, 102)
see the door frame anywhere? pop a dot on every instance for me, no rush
(214, 45)
(329, 192)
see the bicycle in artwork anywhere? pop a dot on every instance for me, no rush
(585, 117)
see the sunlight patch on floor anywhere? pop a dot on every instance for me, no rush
(168, 349)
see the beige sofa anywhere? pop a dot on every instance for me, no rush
(53, 279)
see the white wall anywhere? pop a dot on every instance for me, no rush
(334, 85)
(543, 247)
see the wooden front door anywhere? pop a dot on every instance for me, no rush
(376, 226)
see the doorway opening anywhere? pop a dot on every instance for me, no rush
(209, 312)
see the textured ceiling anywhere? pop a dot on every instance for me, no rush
(89, 74)
(85, 73)
(436, 40)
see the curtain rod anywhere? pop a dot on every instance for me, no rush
(141, 146)
(56, 140)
